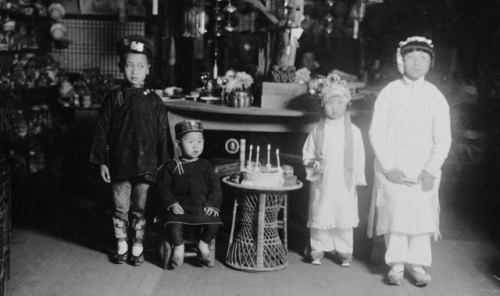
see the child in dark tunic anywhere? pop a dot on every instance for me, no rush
(190, 192)
(130, 144)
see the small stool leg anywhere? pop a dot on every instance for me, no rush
(167, 253)
(211, 247)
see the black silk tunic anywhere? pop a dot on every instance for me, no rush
(131, 134)
(194, 187)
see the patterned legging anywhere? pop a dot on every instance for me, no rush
(130, 196)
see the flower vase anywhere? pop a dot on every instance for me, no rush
(239, 99)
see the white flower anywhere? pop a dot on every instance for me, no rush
(335, 89)
(400, 61)
(416, 39)
(240, 81)
(302, 75)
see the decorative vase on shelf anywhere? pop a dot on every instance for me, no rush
(239, 99)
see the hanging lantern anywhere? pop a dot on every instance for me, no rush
(358, 13)
(194, 18)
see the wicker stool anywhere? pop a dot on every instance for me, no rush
(257, 245)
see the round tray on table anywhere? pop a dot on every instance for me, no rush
(298, 185)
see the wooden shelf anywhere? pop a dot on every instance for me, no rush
(22, 50)
(19, 16)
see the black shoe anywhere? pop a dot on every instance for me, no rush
(120, 258)
(137, 260)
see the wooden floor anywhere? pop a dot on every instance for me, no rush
(46, 265)
(61, 245)
(62, 249)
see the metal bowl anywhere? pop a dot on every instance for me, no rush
(239, 99)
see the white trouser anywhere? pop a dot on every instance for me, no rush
(411, 249)
(327, 240)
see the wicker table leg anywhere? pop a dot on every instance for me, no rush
(257, 245)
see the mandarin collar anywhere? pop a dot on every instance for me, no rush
(416, 84)
(335, 122)
(128, 86)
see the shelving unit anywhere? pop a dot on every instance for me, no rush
(5, 220)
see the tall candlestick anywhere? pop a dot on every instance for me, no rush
(278, 157)
(268, 155)
(242, 154)
(249, 164)
(155, 7)
(257, 158)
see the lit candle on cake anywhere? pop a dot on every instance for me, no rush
(278, 157)
(242, 153)
(249, 164)
(257, 158)
(268, 156)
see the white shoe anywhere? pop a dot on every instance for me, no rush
(395, 275)
(420, 279)
(204, 251)
(345, 264)
(178, 257)
(316, 257)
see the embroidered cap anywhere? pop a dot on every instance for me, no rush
(335, 89)
(187, 126)
(135, 44)
(415, 43)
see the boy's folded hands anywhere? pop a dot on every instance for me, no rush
(209, 211)
(177, 209)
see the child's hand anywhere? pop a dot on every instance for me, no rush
(105, 173)
(209, 211)
(177, 209)
(395, 176)
(427, 181)
(318, 167)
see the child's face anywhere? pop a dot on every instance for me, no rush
(334, 109)
(416, 64)
(192, 144)
(308, 60)
(135, 68)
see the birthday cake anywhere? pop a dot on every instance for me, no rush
(263, 176)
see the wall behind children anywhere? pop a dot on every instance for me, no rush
(93, 27)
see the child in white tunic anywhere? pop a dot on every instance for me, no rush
(410, 134)
(335, 164)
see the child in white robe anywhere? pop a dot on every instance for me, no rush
(410, 134)
(335, 164)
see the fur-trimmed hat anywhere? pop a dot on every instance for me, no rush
(135, 44)
(187, 126)
(415, 43)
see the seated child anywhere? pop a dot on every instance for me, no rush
(190, 192)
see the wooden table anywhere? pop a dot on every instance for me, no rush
(252, 119)
(257, 246)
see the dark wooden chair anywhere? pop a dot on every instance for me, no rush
(191, 239)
